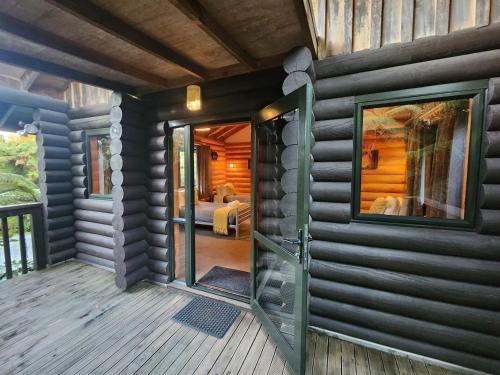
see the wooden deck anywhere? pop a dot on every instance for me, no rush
(71, 319)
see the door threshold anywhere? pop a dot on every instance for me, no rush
(206, 292)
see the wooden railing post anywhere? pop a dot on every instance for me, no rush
(38, 237)
(22, 244)
(6, 248)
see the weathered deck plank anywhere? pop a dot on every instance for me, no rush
(71, 319)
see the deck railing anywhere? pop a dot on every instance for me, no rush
(37, 236)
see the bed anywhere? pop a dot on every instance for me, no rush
(243, 198)
(204, 213)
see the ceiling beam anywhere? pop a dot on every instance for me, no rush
(53, 41)
(214, 134)
(305, 14)
(104, 20)
(199, 16)
(29, 62)
(232, 130)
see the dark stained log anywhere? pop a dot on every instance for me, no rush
(158, 240)
(465, 244)
(121, 223)
(41, 114)
(119, 178)
(158, 157)
(124, 132)
(157, 171)
(332, 171)
(57, 211)
(124, 282)
(441, 266)
(493, 117)
(129, 207)
(157, 143)
(158, 213)
(424, 49)
(55, 164)
(98, 122)
(271, 189)
(340, 150)
(58, 199)
(79, 181)
(80, 192)
(6, 248)
(94, 216)
(331, 192)
(158, 266)
(157, 199)
(96, 228)
(59, 222)
(128, 236)
(270, 207)
(78, 158)
(62, 256)
(455, 292)
(22, 245)
(489, 222)
(452, 69)
(79, 170)
(53, 140)
(439, 312)
(52, 128)
(130, 148)
(270, 225)
(489, 196)
(157, 226)
(289, 133)
(127, 117)
(102, 205)
(160, 253)
(95, 250)
(95, 239)
(55, 176)
(158, 278)
(299, 59)
(289, 157)
(61, 233)
(289, 181)
(157, 129)
(336, 129)
(131, 250)
(93, 110)
(409, 345)
(130, 265)
(54, 152)
(338, 108)
(157, 185)
(493, 91)
(90, 259)
(127, 163)
(125, 193)
(76, 136)
(123, 100)
(57, 187)
(331, 212)
(61, 245)
(491, 171)
(294, 81)
(77, 148)
(27, 99)
(492, 144)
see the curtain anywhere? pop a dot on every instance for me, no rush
(204, 174)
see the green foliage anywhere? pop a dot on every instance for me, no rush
(17, 189)
(18, 155)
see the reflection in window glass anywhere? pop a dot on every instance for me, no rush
(415, 159)
(100, 169)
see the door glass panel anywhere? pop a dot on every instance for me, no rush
(277, 163)
(180, 251)
(178, 172)
(275, 290)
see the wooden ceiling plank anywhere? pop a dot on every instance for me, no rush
(198, 15)
(29, 62)
(104, 20)
(305, 13)
(217, 132)
(230, 131)
(41, 37)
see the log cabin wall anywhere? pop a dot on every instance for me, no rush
(345, 26)
(238, 171)
(427, 291)
(93, 217)
(55, 173)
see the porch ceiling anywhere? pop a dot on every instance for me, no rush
(147, 45)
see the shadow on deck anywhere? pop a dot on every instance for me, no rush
(72, 319)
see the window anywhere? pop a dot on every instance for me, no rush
(98, 162)
(417, 155)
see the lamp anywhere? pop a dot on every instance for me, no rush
(193, 97)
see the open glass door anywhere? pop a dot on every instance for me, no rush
(280, 193)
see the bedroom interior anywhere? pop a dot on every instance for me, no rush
(220, 163)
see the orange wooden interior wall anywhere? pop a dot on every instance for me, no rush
(237, 163)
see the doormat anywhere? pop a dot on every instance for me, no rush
(228, 279)
(207, 315)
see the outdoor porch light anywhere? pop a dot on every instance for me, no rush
(193, 98)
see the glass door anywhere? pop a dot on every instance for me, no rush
(281, 175)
